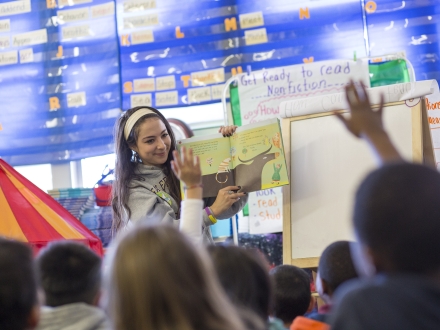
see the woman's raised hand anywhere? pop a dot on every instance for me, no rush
(227, 130)
(187, 167)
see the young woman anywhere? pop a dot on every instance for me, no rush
(145, 186)
(156, 279)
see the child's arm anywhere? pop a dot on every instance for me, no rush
(366, 123)
(187, 169)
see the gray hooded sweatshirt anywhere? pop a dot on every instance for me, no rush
(150, 201)
(77, 316)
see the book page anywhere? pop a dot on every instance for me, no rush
(215, 161)
(258, 156)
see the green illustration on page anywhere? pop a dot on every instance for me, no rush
(164, 196)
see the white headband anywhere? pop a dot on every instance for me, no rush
(132, 120)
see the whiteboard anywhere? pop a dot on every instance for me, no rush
(327, 164)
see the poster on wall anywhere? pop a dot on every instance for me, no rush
(59, 80)
(173, 55)
(410, 26)
(266, 211)
(260, 93)
(433, 112)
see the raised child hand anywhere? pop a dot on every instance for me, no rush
(187, 167)
(363, 120)
(366, 123)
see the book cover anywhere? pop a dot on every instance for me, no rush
(253, 158)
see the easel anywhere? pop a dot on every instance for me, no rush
(313, 218)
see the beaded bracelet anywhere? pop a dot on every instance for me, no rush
(210, 215)
(193, 186)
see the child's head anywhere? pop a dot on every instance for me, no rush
(397, 218)
(142, 135)
(335, 267)
(69, 273)
(156, 279)
(293, 296)
(244, 276)
(18, 288)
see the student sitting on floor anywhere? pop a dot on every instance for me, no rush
(396, 222)
(19, 308)
(243, 274)
(335, 267)
(70, 275)
(158, 280)
(293, 298)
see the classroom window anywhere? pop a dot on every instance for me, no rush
(39, 175)
(93, 167)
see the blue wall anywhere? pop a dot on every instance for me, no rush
(60, 100)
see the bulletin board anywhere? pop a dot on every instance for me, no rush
(326, 164)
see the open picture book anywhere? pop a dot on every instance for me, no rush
(253, 158)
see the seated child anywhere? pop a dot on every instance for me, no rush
(70, 275)
(19, 308)
(157, 279)
(335, 267)
(292, 295)
(245, 279)
(396, 223)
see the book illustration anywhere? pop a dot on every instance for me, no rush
(253, 165)
(223, 168)
(252, 158)
(164, 196)
(276, 139)
(222, 178)
(233, 152)
(266, 141)
(276, 177)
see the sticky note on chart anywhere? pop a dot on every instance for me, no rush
(165, 82)
(166, 98)
(144, 85)
(26, 55)
(5, 25)
(76, 99)
(78, 31)
(254, 37)
(251, 20)
(142, 37)
(138, 5)
(106, 9)
(72, 15)
(9, 58)
(138, 100)
(197, 95)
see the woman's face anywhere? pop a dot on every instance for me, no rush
(153, 143)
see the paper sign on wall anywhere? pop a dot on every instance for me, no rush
(433, 111)
(261, 92)
(266, 211)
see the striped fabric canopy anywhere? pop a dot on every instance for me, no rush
(30, 215)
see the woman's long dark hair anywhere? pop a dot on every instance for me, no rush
(126, 164)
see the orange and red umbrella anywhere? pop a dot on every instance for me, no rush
(30, 215)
